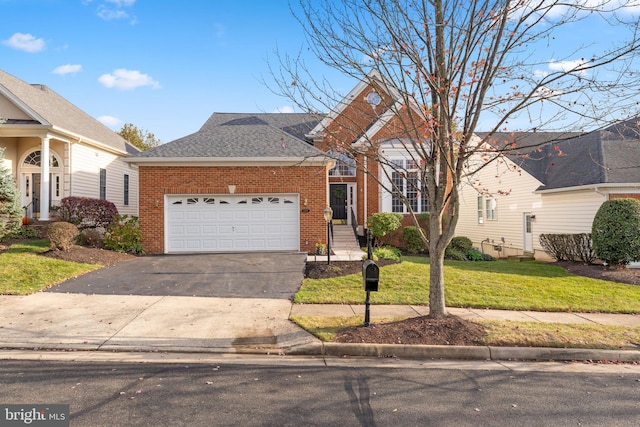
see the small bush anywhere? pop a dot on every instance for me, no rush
(487, 257)
(569, 247)
(474, 255)
(616, 231)
(86, 212)
(62, 235)
(463, 244)
(455, 254)
(383, 223)
(388, 252)
(124, 235)
(411, 239)
(91, 237)
(24, 232)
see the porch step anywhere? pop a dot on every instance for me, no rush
(521, 258)
(344, 242)
(39, 226)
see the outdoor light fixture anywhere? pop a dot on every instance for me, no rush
(328, 216)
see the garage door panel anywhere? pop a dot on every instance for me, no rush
(232, 223)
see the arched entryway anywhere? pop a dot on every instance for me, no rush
(31, 179)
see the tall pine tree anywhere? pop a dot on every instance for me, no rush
(10, 212)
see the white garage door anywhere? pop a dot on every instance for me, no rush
(232, 223)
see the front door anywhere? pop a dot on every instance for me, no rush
(338, 202)
(528, 234)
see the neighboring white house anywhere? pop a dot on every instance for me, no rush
(84, 157)
(549, 183)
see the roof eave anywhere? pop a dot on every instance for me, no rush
(230, 161)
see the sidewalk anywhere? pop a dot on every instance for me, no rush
(391, 311)
(59, 321)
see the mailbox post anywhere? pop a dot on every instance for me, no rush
(370, 277)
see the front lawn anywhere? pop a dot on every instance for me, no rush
(501, 284)
(23, 271)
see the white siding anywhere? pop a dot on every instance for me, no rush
(513, 191)
(86, 163)
(568, 211)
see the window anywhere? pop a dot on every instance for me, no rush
(487, 209)
(406, 181)
(490, 209)
(126, 190)
(345, 165)
(103, 184)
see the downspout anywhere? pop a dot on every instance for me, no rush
(605, 196)
(366, 204)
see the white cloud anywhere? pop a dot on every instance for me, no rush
(111, 10)
(122, 3)
(67, 69)
(110, 121)
(111, 14)
(127, 80)
(568, 66)
(545, 92)
(284, 109)
(540, 73)
(25, 42)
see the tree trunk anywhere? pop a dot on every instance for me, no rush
(437, 308)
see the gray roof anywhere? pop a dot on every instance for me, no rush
(569, 159)
(238, 135)
(58, 112)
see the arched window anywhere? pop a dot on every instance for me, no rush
(345, 164)
(35, 159)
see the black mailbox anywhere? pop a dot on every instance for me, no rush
(370, 275)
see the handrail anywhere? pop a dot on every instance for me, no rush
(28, 210)
(354, 223)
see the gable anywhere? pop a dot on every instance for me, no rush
(44, 107)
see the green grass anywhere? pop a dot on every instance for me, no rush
(23, 271)
(504, 285)
(507, 333)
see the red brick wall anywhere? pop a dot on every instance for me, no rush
(307, 181)
(625, 196)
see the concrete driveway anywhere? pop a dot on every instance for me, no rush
(246, 275)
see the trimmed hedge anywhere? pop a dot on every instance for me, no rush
(62, 235)
(411, 239)
(86, 212)
(569, 247)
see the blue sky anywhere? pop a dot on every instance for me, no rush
(164, 66)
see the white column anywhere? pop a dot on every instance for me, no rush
(45, 183)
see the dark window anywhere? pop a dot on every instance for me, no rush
(103, 184)
(126, 190)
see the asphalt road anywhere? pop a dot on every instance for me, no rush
(191, 393)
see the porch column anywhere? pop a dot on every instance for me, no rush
(45, 155)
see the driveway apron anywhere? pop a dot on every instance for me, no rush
(247, 275)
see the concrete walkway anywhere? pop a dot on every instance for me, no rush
(57, 321)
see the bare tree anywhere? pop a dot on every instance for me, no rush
(444, 67)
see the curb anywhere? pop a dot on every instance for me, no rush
(400, 351)
(462, 352)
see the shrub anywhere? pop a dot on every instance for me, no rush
(62, 235)
(411, 239)
(383, 223)
(24, 232)
(474, 255)
(455, 254)
(569, 247)
(388, 252)
(124, 235)
(91, 237)
(616, 231)
(10, 211)
(463, 244)
(86, 212)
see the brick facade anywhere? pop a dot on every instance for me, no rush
(308, 181)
